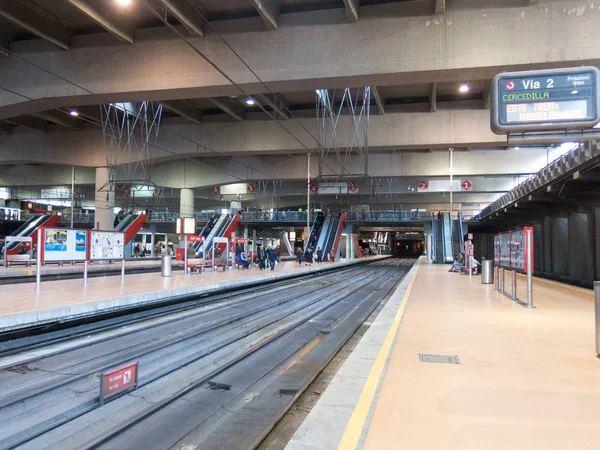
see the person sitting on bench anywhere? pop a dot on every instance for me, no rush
(243, 260)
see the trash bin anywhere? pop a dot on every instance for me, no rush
(165, 266)
(487, 271)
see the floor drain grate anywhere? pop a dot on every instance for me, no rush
(444, 359)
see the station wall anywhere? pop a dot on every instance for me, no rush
(565, 246)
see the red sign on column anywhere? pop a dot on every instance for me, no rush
(194, 238)
(118, 380)
(250, 188)
(313, 188)
(353, 188)
(466, 185)
(216, 189)
(423, 186)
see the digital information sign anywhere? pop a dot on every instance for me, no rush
(541, 100)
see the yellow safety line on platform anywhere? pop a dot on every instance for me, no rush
(361, 410)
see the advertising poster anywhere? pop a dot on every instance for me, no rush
(505, 250)
(518, 250)
(107, 245)
(64, 244)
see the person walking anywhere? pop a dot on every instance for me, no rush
(238, 252)
(308, 257)
(319, 255)
(278, 254)
(272, 255)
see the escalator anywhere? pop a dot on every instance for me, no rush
(205, 232)
(438, 241)
(324, 234)
(315, 231)
(335, 234)
(29, 228)
(131, 224)
(457, 236)
(215, 230)
(226, 229)
(447, 238)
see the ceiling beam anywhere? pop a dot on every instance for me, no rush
(532, 2)
(5, 128)
(433, 98)
(275, 103)
(379, 100)
(184, 109)
(102, 19)
(440, 6)
(227, 109)
(351, 10)
(185, 13)
(268, 11)
(34, 123)
(586, 176)
(53, 32)
(61, 118)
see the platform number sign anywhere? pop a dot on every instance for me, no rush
(313, 188)
(216, 189)
(544, 100)
(423, 186)
(250, 188)
(466, 185)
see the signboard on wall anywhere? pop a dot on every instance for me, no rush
(107, 245)
(65, 244)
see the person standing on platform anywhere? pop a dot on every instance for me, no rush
(278, 254)
(319, 255)
(243, 260)
(299, 255)
(308, 257)
(262, 256)
(191, 253)
(272, 255)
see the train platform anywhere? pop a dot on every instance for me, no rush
(22, 306)
(450, 363)
(20, 271)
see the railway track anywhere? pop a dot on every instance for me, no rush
(258, 348)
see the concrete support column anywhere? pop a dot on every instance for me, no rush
(104, 201)
(186, 202)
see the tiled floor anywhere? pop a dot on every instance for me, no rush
(527, 379)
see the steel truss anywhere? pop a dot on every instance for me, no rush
(352, 110)
(269, 193)
(129, 131)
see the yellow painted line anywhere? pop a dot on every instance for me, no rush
(361, 410)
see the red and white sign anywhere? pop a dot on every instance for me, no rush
(194, 238)
(466, 185)
(353, 188)
(423, 186)
(158, 192)
(510, 85)
(216, 189)
(250, 188)
(313, 188)
(125, 192)
(118, 380)
(471, 250)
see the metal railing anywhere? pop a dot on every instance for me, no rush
(389, 216)
(77, 218)
(277, 216)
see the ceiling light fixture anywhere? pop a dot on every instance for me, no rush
(123, 2)
(249, 101)
(517, 148)
(464, 88)
(73, 113)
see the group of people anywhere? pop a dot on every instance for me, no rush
(308, 257)
(264, 255)
(459, 264)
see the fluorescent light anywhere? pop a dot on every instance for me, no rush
(123, 2)
(575, 92)
(517, 148)
(464, 88)
(249, 101)
(73, 113)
